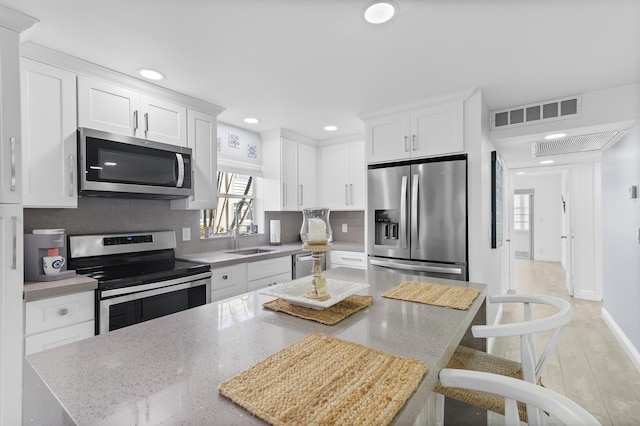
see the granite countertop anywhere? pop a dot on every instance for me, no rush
(37, 290)
(168, 370)
(220, 258)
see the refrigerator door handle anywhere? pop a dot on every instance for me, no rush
(403, 212)
(421, 268)
(415, 219)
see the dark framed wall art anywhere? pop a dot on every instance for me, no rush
(497, 179)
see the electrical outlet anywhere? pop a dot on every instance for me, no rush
(344, 227)
(186, 234)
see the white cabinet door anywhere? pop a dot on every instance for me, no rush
(163, 121)
(307, 176)
(335, 176)
(357, 175)
(105, 106)
(62, 336)
(11, 277)
(289, 174)
(10, 141)
(228, 281)
(49, 136)
(388, 138)
(349, 259)
(202, 139)
(437, 130)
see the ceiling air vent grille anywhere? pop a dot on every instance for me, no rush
(572, 145)
(556, 109)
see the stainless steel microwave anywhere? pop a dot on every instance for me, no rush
(121, 166)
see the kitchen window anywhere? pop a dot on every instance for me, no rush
(232, 188)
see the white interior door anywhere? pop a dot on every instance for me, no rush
(568, 239)
(523, 223)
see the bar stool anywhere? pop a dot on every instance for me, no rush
(528, 369)
(512, 390)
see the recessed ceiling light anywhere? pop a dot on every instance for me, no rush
(379, 12)
(151, 74)
(520, 173)
(330, 128)
(547, 162)
(555, 136)
(251, 120)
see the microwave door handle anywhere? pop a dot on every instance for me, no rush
(180, 170)
(403, 213)
(415, 219)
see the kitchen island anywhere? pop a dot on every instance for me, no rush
(167, 370)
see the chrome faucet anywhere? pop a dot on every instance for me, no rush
(236, 232)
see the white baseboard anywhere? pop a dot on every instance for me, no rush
(586, 295)
(547, 258)
(628, 347)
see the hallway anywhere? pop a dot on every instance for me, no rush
(589, 365)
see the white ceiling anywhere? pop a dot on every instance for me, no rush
(302, 64)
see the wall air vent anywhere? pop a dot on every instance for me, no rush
(575, 144)
(556, 109)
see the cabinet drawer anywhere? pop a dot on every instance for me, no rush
(229, 281)
(268, 268)
(267, 281)
(351, 259)
(57, 312)
(62, 336)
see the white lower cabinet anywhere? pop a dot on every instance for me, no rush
(264, 273)
(351, 259)
(57, 321)
(228, 281)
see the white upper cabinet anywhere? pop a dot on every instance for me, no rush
(116, 109)
(343, 176)
(289, 172)
(202, 137)
(307, 176)
(49, 136)
(418, 132)
(10, 140)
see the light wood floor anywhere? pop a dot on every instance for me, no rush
(589, 365)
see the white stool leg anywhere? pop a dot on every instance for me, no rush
(439, 409)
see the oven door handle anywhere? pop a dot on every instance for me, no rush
(158, 284)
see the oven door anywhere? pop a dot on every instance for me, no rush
(130, 305)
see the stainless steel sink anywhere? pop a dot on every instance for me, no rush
(246, 252)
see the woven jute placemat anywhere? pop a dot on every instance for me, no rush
(324, 380)
(434, 294)
(328, 316)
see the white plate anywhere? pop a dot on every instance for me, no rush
(294, 292)
(48, 231)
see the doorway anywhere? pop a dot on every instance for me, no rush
(523, 223)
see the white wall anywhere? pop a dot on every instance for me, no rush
(621, 249)
(486, 265)
(547, 216)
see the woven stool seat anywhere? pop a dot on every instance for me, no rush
(470, 359)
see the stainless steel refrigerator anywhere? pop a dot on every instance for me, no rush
(417, 216)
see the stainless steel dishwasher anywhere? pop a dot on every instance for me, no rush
(303, 264)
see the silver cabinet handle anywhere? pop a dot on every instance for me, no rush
(301, 195)
(351, 193)
(146, 123)
(14, 243)
(12, 141)
(413, 142)
(62, 312)
(135, 120)
(71, 167)
(403, 212)
(346, 194)
(415, 225)
(405, 144)
(284, 194)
